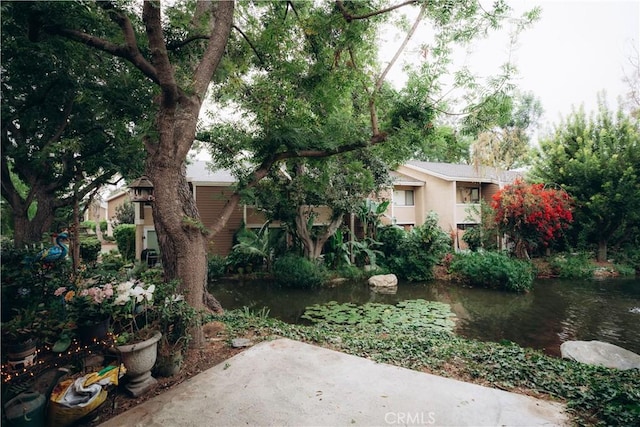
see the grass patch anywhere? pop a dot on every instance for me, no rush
(594, 395)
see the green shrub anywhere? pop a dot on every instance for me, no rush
(572, 266)
(629, 256)
(473, 238)
(103, 225)
(298, 272)
(89, 225)
(125, 235)
(493, 270)
(412, 255)
(90, 249)
(352, 272)
(112, 261)
(242, 262)
(216, 267)
(624, 270)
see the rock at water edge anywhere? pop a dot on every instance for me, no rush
(600, 353)
(383, 281)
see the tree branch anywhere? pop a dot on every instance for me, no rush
(349, 17)
(63, 122)
(215, 48)
(406, 40)
(159, 55)
(251, 45)
(175, 45)
(129, 51)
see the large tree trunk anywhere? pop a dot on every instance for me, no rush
(520, 250)
(602, 250)
(181, 234)
(27, 231)
(313, 245)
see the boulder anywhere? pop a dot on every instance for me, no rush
(383, 281)
(600, 353)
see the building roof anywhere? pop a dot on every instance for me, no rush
(468, 173)
(199, 172)
(402, 179)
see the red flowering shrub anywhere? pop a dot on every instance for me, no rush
(531, 214)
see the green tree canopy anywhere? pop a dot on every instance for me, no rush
(502, 127)
(596, 159)
(67, 120)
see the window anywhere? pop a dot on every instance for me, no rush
(403, 197)
(468, 195)
(475, 195)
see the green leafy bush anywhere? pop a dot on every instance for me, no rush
(125, 214)
(111, 262)
(572, 266)
(216, 267)
(493, 270)
(89, 225)
(90, 249)
(244, 263)
(351, 272)
(473, 238)
(125, 235)
(298, 272)
(412, 255)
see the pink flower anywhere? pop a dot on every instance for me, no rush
(61, 290)
(107, 290)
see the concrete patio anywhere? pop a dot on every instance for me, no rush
(289, 383)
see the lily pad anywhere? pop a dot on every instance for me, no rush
(409, 314)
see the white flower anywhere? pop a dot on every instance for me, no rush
(148, 293)
(138, 293)
(122, 298)
(124, 292)
(125, 287)
(141, 294)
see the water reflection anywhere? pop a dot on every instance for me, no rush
(554, 312)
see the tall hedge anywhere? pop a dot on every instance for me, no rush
(125, 235)
(90, 249)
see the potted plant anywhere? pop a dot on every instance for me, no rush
(89, 307)
(176, 318)
(137, 333)
(19, 337)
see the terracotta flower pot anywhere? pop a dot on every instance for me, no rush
(139, 359)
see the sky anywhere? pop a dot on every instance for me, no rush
(575, 50)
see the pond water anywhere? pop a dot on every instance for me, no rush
(555, 311)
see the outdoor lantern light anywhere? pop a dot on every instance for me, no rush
(142, 190)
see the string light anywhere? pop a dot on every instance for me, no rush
(10, 374)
